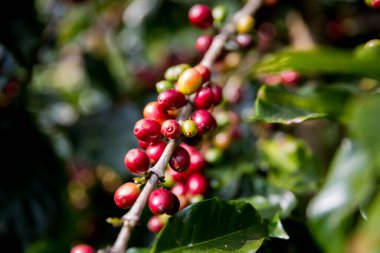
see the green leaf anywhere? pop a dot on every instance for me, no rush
(213, 225)
(348, 183)
(320, 61)
(138, 250)
(275, 104)
(290, 163)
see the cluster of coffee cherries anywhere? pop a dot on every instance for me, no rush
(287, 78)
(203, 17)
(375, 4)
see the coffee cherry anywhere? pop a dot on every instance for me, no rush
(219, 13)
(136, 161)
(155, 224)
(126, 195)
(197, 161)
(171, 129)
(155, 150)
(189, 128)
(147, 130)
(144, 144)
(205, 72)
(217, 90)
(204, 98)
(189, 81)
(179, 189)
(203, 43)
(375, 4)
(213, 155)
(180, 159)
(163, 201)
(172, 74)
(154, 110)
(222, 140)
(82, 248)
(200, 16)
(245, 24)
(244, 41)
(197, 184)
(289, 77)
(163, 86)
(171, 99)
(204, 120)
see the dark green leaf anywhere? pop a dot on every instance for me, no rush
(320, 61)
(275, 104)
(213, 225)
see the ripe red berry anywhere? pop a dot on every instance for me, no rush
(289, 77)
(171, 99)
(171, 129)
(163, 201)
(82, 248)
(201, 16)
(197, 184)
(155, 224)
(205, 72)
(126, 195)
(154, 110)
(179, 189)
(197, 161)
(144, 144)
(204, 98)
(180, 159)
(136, 161)
(204, 120)
(217, 90)
(155, 150)
(147, 130)
(244, 41)
(203, 43)
(375, 4)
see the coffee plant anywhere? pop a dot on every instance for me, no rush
(190, 126)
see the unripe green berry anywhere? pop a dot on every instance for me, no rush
(189, 128)
(163, 86)
(219, 14)
(213, 155)
(172, 74)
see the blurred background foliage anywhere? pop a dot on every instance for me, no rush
(75, 76)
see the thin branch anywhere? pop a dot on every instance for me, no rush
(132, 217)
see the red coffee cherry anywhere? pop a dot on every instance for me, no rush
(171, 129)
(375, 4)
(126, 195)
(179, 189)
(147, 130)
(163, 201)
(204, 120)
(144, 144)
(155, 150)
(197, 184)
(155, 224)
(217, 90)
(180, 159)
(204, 98)
(197, 161)
(205, 72)
(244, 41)
(201, 16)
(203, 43)
(171, 99)
(82, 248)
(289, 77)
(189, 81)
(154, 110)
(136, 161)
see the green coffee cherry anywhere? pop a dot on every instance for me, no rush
(370, 50)
(172, 74)
(219, 14)
(213, 155)
(163, 86)
(189, 128)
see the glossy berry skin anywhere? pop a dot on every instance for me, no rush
(244, 41)
(144, 144)
(126, 195)
(155, 224)
(204, 98)
(155, 150)
(217, 91)
(180, 159)
(203, 43)
(82, 248)
(163, 86)
(136, 161)
(147, 130)
(171, 129)
(204, 71)
(245, 24)
(189, 128)
(204, 120)
(154, 110)
(200, 16)
(197, 161)
(375, 4)
(289, 77)
(179, 189)
(172, 73)
(163, 201)
(189, 81)
(219, 13)
(171, 99)
(197, 184)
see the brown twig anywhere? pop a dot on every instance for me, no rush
(132, 217)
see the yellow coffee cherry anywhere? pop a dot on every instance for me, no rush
(245, 24)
